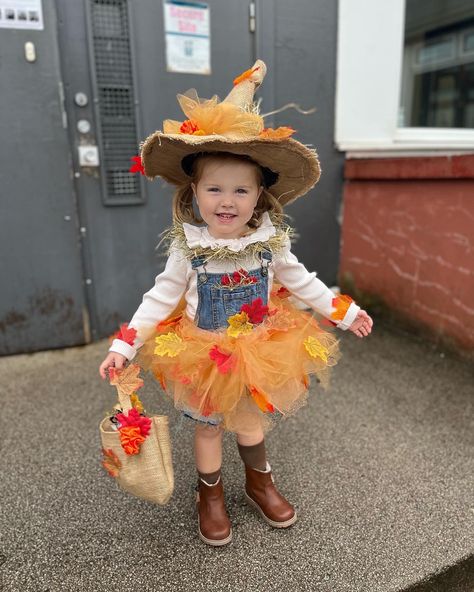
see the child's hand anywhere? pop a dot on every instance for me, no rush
(112, 360)
(362, 324)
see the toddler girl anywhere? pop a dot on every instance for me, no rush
(225, 342)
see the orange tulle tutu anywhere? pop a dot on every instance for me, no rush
(241, 381)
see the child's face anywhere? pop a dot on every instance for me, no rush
(226, 194)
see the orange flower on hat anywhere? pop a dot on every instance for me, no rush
(191, 127)
(111, 462)
(341, 303)
(239, 325)
(131, 439)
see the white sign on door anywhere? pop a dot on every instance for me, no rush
(187, 33)
(21, 14)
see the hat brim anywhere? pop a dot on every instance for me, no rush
(297, 165)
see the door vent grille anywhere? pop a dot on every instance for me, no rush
(116, 105)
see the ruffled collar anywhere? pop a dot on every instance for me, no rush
(200, 237)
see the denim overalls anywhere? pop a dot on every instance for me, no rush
(217, 301)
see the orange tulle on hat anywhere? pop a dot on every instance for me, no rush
(233, 125)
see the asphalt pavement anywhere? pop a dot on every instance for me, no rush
(379, 468)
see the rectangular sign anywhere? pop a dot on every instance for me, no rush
(187, 33)
(21, 14)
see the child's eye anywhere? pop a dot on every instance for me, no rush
(240, 190)
(214, 189)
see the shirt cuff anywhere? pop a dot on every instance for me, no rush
(349, 317)
(122, 347)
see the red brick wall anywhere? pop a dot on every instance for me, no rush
(408, 238)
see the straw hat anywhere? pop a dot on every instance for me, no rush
(235, 126)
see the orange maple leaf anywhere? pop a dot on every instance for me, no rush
(127, 381)
(280, 133)
(341, 303)
(111, 462)
(261, 401)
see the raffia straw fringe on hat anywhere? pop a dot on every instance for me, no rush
(234, 126)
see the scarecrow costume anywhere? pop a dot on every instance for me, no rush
(219, 329)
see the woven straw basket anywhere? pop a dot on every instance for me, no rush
(148, 474)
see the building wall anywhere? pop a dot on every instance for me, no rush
(408, 240)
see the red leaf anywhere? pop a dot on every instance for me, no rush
(138, 166)
(125, 334)
(224, 362)
(256, 311)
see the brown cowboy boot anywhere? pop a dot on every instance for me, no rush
(260, 492)
(213, 521)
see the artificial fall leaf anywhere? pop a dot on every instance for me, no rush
(316, 349)
(239, 325)
(138, 166)
(131, 439)
(256, 311)
(260, 399)
(134, 419)
(224, 362)
(169, 344)
(137, 404)
(305, 381)
(111, 462)
(245, 75)
(125, 334)
(170, 322)
(127, 380)
(280, 133)
(283, 293)
(278, 321)
(341, 303)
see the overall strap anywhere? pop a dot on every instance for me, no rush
(199, 264)
(266, 257)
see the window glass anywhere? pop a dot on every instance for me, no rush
(438, 64)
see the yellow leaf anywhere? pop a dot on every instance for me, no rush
(127, 381)
(316, 349)
(169, 344)
(239, 325)
(135, 400)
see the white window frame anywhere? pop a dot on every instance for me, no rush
(368, 87)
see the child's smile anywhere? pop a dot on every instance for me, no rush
(226, 194)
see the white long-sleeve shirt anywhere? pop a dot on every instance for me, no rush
(179, 279)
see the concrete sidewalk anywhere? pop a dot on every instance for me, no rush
(379, 468)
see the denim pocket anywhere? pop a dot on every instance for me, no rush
(234, 299)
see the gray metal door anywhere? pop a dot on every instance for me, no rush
(113, 52)
(41, 296)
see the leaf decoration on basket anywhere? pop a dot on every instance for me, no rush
(239, 325)
(341, 303)
(127, 380)
(133, 418)
(169, 344)
(261, 400)
(131, 439)
(136, 403)
(225, 362)
(316, 349)
(111, 462)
